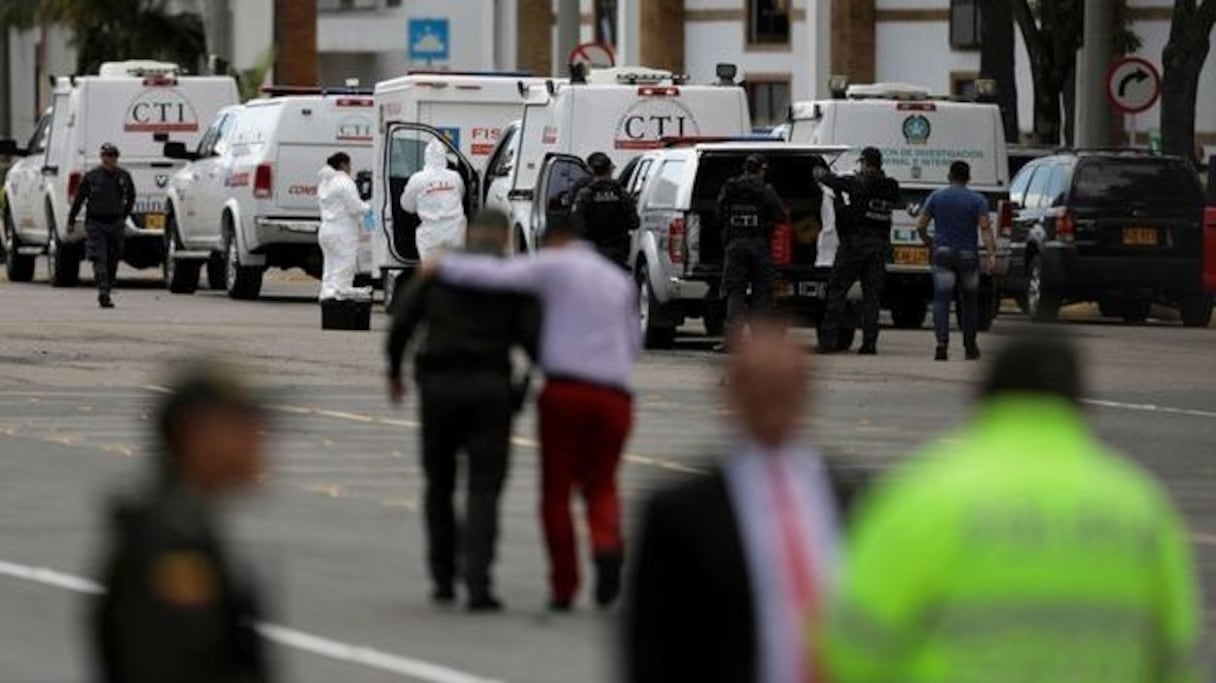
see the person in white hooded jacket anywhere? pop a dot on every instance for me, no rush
(341, 213)
(436, 195)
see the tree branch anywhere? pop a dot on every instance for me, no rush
(1207, 16)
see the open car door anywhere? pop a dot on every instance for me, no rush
(404, 155)
(560, 177)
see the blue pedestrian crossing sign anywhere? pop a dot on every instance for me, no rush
(429, 40)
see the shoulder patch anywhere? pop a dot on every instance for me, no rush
(185, 579)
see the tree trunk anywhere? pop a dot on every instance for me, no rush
(1183, 59)
(1070, 107)
(997, 60)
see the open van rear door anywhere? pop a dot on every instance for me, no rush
(404, 155)
(560, 177)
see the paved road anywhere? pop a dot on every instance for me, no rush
(337, 533)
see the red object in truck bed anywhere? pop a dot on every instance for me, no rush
(1209, 249)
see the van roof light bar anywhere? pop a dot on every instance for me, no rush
(478, 74)
(286, 90)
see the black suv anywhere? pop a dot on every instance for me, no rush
(1124, 229)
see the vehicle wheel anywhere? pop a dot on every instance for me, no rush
(217, 272)
(655, 336)
(63, 260)
(909, 315)
(845, 337)
(181, 277)
(989, 305)
(521, 244)
(242, 282)
(1109, 308)
(1135, 312)
(1196, 310)
(18, 267)
(1042, 304)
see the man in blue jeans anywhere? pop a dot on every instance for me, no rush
(960, 219)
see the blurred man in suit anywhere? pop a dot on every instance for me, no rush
(733, 566)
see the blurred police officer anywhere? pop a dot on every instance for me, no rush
(747, 209)
(464, 374)
(865, 239)
(175, 606)
(604, 212)
(108, 193)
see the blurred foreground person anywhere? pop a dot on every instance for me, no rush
(175, 608)
(341, 213)
(731, 568)
(589, 341)
(464, 374)
(1021, 550)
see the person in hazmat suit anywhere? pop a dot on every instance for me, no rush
(436, 195)
(342, 211)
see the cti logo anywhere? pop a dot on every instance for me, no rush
(160, 110)
(355, 129)
(647, 122)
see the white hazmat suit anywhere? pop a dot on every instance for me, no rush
(341, 216)
(436, 195)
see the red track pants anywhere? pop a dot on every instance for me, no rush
(583, 428)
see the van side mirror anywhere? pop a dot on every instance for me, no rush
(9, 148)
(177, 150)
(363, 181)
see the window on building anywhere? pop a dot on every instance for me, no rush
(962, 84)
(605, 22)
(768, 22)
(965, 24)
(769, 98)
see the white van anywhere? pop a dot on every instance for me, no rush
(623, 112)
(248, 199)
(919, 136)
(468, 111)
(135, 105)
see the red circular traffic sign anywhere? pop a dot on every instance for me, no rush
(1133, 85)
(595, 55)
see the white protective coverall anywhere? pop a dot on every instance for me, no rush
(436, 194)
(341, 216)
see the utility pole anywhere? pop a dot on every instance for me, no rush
(1094, 117)
(569, 25)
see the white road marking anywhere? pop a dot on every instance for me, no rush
(1150, 408)
(371, 658)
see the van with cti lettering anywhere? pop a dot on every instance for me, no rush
(919, 135)
(468, 111)
(623, 112)
(248, 199)
(134, 105)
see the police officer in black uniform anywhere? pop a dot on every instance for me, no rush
(748, 207)
(468, 398)
(865, 239)
(604, 212)
(109, 193)
(175, 606)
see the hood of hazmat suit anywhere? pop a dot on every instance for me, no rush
(341, 215)
(436, 195)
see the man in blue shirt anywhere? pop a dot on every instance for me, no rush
(959, 216)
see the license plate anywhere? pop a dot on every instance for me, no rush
(1140, 237)
(911, 256)
(154, 221)
(811, 289)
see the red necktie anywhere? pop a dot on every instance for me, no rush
(794, 551)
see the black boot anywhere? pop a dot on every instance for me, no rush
(942, 353)
(105, 301)
(607, 579)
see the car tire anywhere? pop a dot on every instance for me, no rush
(1196, 310)
(18, 267)
(989, 307)
(217, 272)
(909, 315)
(242, 282)
(63, 260)
(521, 244)
(654, 336)
(1042, 304)
(1135, 312)
(181, 277)
(845, 336)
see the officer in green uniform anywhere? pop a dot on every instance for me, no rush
(1021, 550)
(467, 400)
(175, 608)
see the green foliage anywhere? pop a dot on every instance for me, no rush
(112, 30)
(250, 80)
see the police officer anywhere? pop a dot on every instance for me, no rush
(604, 212)
(109, 193)
(175, 607)
(747, 209)
(464, 375)
(865, 239)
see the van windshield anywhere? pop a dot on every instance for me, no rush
(1119, 182)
